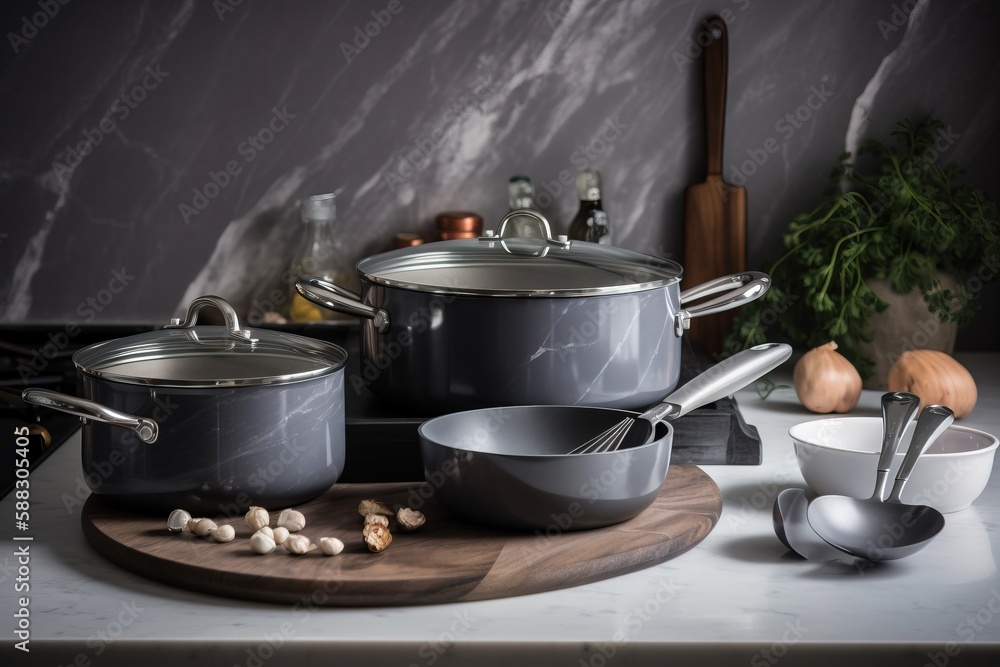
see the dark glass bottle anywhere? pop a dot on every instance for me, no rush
(591, 221)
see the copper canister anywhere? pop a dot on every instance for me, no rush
(458, 225)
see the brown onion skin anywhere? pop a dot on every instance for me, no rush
(936, 378)
(825, 381)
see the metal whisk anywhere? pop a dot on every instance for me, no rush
(717, 382)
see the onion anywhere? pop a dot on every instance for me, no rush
(825, 381)
(936, 378)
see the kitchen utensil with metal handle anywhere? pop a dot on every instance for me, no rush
(717, 382)
(324, 293)
(898, 409)
(932, 422)
(887, 530)
(145, 428)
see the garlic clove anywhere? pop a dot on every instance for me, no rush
(297, 544)
(256, 518)
(201, 526)
(262, 543)
(376, 519)
(224, 533)
(408, 519)
(825, 381)
(267, 531)
(291, 519)
(280, 534)
(330, 546)
(178, 521)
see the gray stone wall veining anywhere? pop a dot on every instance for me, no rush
(126, 147)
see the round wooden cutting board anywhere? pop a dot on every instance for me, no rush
(447, 560)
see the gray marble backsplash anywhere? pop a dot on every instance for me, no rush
(154, 151)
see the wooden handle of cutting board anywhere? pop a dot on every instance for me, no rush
(716, 75)
(714, 211)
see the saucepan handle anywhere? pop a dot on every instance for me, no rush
(145, 428)
(739, 288)
(333, 297)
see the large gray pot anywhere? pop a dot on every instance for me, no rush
(465, 324)
(209, 419)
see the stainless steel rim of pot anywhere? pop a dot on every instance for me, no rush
(506, 266)
(183, 355)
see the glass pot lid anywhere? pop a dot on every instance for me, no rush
(183, 355)
(499, 265)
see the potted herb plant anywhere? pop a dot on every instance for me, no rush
(895, 215)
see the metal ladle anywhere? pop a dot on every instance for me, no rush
(887, 530)
(789, 515)
(792, 527)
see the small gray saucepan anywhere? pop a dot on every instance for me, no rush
(509, 466)
(501, 320)
(211, 419)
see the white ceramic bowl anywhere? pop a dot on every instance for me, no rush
(840, 456)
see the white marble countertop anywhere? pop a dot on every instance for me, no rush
(736, 598)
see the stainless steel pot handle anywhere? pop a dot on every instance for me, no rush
(333, 297)
(228, 312)
(145, 428)
(739, 288)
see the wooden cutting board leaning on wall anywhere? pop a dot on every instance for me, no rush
(715, 212)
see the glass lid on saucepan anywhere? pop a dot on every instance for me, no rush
(184, 355)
